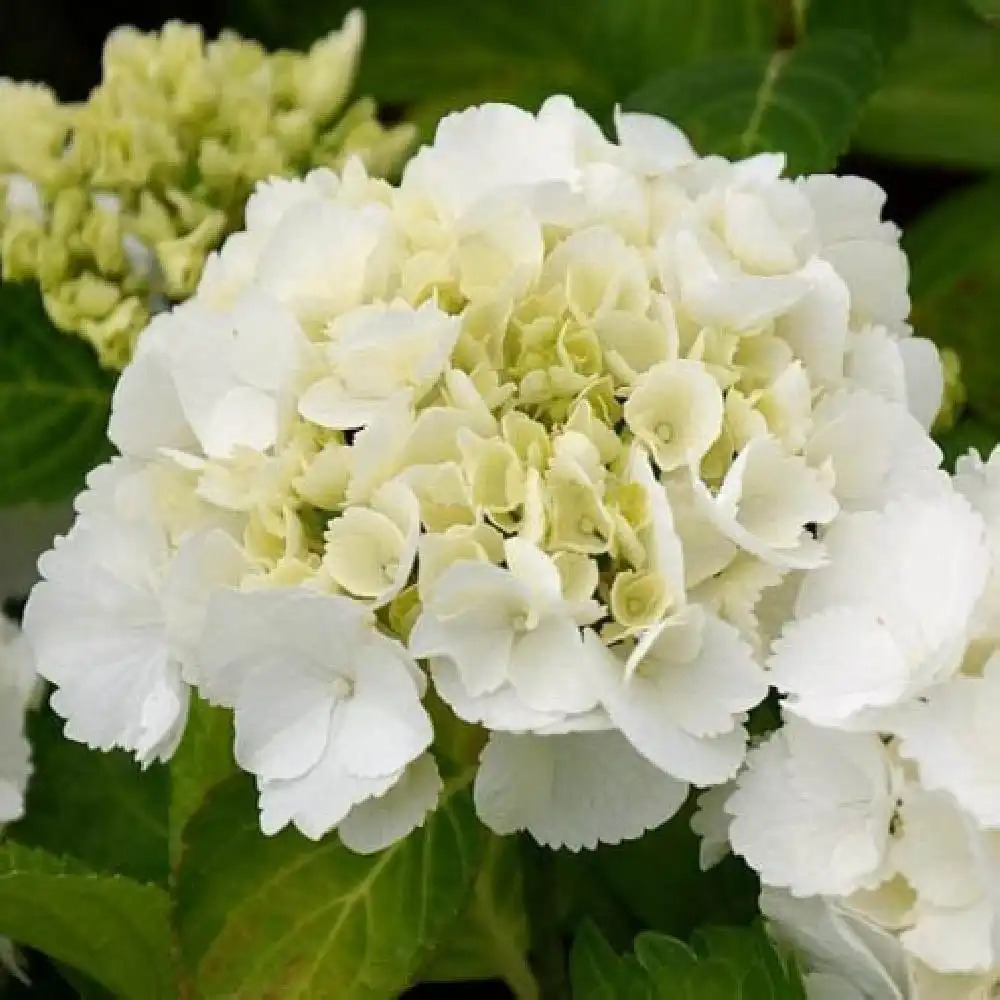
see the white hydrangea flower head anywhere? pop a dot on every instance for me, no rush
(563, 420)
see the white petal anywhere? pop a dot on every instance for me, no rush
(502, 709)
(383, 725)
(282, 722)
(836, 663)
(719, 295)
(710, 822)
(478, 645)
(921, 564)
(652, 144)
(924, 378)
(548, 668)
(380, 822)
(320, 799)
(812, 810)
(832, 940)
(573, 791)
(953, 739)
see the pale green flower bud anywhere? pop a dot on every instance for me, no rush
(20, 245)
(178, 132)
(954, 397)
(181, 259)
(639, 599)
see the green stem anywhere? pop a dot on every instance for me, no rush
(508, 953)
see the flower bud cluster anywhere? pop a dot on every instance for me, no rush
(112, 205)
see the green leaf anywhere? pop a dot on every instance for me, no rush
(438, 55)
(727, 964)
(54, 401)
(202, 761)
(99, 808)
(664, 957)
(598, 973)
(282, 916)
(490, 939)
(954, 252)
(885, 22)
(940, 102)
(680, 896)
(803, 102)
(112, 929)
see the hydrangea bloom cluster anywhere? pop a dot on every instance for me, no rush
(539, 442)
(112, 205)
(873, 814)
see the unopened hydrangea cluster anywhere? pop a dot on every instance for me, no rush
(113, 204)
(584, 446)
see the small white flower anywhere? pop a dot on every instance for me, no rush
(323, 258)
(374, 353)
(954, 870)
(877, 449)
(506, 634)
(864, 250)
(767, 501)
(680, 693)
(328, 713)
(370, 550)
(716, 292)
(112, 626)
(812, 811)
(208, 382)
(889, 614)
(494, 150)
(906, 370)
(675, 410)
(953, 737)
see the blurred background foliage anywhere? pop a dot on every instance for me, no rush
(906, 92)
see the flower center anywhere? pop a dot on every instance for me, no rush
(341, 687)
(665, 432)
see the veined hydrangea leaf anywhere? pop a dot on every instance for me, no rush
(54, 401)
(725, 963)
(262, 917)
(802, 101)
(954, 252)
(490, 938)
(886, 23)
(597, 972)
(940, 101)
(110, 928)
(440, 55)
(99, 808)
